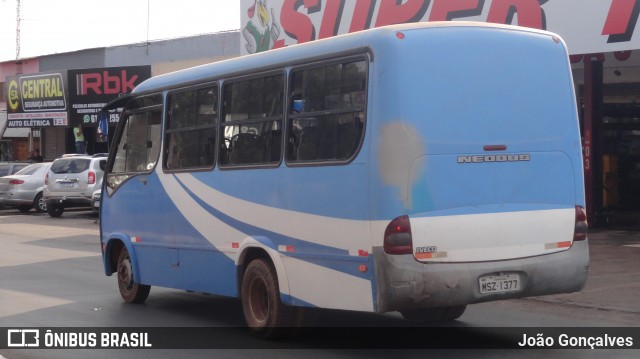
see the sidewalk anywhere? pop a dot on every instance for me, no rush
(613, 283)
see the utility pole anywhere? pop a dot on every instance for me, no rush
(18, 30)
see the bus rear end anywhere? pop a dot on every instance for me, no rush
(480, 164)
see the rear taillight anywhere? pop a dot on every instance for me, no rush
(92, 177)
(582, 227)
(46, 179)
(397, 237)
(16, 181)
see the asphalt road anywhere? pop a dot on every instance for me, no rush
(51, 276)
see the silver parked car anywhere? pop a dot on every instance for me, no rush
(9, 168)
(71, 181)
(23, 189)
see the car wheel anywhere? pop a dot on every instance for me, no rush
(24, 209)
(55, 210)
(266, 316)
(131, 292)
(39, 203)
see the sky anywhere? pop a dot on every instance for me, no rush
(55, 26)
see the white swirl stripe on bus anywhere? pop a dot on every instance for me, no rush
(350, 235)
(357, 289)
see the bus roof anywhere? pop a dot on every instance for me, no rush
(346, 44)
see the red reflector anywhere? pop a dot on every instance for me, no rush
(288, 248)
(400, 35)
(363, 268)
(16, 181)
(235, 245)
(424, 255)
(362, 253)
(566, 244)
(495, 148)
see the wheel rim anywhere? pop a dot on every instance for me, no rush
(125, 275)
(42, 204)
(259, 301)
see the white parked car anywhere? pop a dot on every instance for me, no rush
(24, 189)
(71, 181)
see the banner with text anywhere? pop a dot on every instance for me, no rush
(37, 100)
(91, 89)
(587, 26)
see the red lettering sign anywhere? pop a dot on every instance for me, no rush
(445, 10)
(362, 15)
(105, 84)
(530, 12)
(621, 21)
(396, 12)
(296, 25)
(331, 18)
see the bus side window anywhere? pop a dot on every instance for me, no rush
(252, 121)
(191, 129)
(326, 113)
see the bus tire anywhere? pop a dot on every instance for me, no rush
(266, 316)
(130, 291)
(438, 314)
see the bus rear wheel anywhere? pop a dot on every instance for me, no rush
(439, 314)
(266, 316)
(130, 291)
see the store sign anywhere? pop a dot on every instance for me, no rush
(91, 89)
(587, 26)
(37, 100)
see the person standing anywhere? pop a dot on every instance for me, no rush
(79, 136)
(35, 156)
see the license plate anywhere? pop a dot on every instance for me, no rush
(499, 283)
(66, 184)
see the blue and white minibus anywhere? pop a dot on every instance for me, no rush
(415, 168)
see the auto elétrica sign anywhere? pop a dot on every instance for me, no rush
(37, 100)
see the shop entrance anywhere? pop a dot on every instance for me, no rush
(621, 164)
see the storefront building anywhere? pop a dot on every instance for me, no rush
(47, 96)
(602, 37)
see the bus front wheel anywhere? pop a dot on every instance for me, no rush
(266, 316)
(130, 291)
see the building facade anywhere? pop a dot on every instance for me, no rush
(602, 36)
(107, 71)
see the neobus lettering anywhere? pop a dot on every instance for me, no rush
(493, 158)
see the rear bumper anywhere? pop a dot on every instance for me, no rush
(405, 284)
(17, 198)
(68, 201)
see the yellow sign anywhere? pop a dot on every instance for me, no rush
(12, 96)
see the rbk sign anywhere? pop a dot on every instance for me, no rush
(90, 89)
(104, 83)
(587, 26)
(107, 82)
